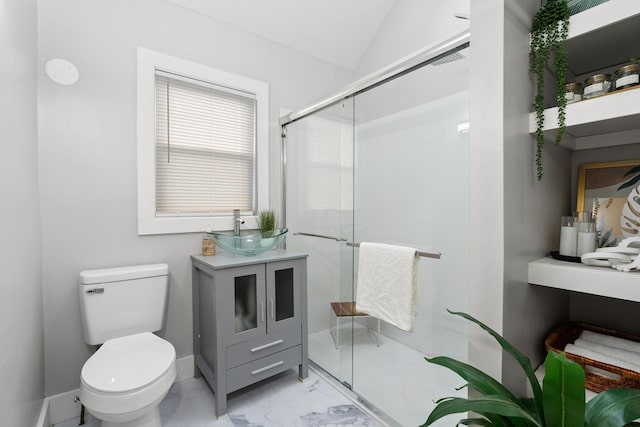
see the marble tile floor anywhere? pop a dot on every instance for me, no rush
(281, 401)
(393, 378)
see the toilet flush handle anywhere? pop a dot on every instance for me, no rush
(96, 291)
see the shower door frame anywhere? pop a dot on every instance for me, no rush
(417, 60)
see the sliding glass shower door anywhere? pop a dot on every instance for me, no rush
(388, 164)
(319, 214)
(411, 189)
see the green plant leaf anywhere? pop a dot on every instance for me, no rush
(474, 422)
(549, 30)
(266, 221)
(523, 360)
(630, 183)
(484, 384)
(613, 408)
(500, 421)
(633, 170)
(563, 392)
(489, 404)
(529, 404)
(480, 381)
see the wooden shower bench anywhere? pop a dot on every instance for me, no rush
(347, 309)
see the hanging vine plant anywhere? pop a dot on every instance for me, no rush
(548, 37)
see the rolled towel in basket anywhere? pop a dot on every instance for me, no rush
(611, 341)
(618, 353)
(604, 358)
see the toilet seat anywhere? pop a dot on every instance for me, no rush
(128, 364)
(127, 376)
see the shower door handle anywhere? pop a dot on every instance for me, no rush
(337, 239)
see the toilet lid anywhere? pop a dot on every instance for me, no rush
(128, 363)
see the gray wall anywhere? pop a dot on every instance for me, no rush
(88, 149)
(486, 186)
(21, 330)
(517, 221)
(515, 217)
(532, 208)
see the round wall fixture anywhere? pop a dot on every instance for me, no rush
(61, 71)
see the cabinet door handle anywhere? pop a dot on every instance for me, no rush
(262, 347)
(272, 308)
(266, 368)
(262, 312)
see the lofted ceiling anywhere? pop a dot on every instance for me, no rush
(337, 31)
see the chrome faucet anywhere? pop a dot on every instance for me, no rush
(237, 220)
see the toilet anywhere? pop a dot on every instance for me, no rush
(124, 381)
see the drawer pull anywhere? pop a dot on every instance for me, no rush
(262, 347)
(266, 368)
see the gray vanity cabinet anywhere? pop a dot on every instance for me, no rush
(249, 318)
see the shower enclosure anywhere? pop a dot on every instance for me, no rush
(386, 160)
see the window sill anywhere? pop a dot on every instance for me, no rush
(176, 225)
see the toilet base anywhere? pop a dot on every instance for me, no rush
(150, 419)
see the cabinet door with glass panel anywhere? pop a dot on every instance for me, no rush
(242, 303)
(283, 294)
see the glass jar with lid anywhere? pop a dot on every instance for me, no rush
(573, 92)
(627, 76)
(596, 85)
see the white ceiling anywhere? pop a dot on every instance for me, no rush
(337, 31)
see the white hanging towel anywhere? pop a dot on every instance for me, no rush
(386, 287)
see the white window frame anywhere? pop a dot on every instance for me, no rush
(148, 223)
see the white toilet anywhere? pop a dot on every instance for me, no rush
(124, 381)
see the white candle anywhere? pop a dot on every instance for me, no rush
(586, 242)
(568, 240)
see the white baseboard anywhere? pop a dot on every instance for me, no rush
(184, 366)
(61, 407)
(44, 420)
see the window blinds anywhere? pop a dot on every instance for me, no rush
(205, 148)
(330, 158)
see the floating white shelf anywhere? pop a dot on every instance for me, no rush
(576, 277)
(601, 38)
(616, 115)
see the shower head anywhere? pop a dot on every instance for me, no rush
(456, 56)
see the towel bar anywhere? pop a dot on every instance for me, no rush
(357, 245)
(337, 239)
(422, 254)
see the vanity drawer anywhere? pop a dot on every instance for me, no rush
(241, 353)
(263, 368)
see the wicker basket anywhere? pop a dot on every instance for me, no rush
(569, 332)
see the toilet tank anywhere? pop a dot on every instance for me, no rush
(115, 302)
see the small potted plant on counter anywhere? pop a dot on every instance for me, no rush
(267, 224)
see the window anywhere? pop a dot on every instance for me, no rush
(202, 146)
